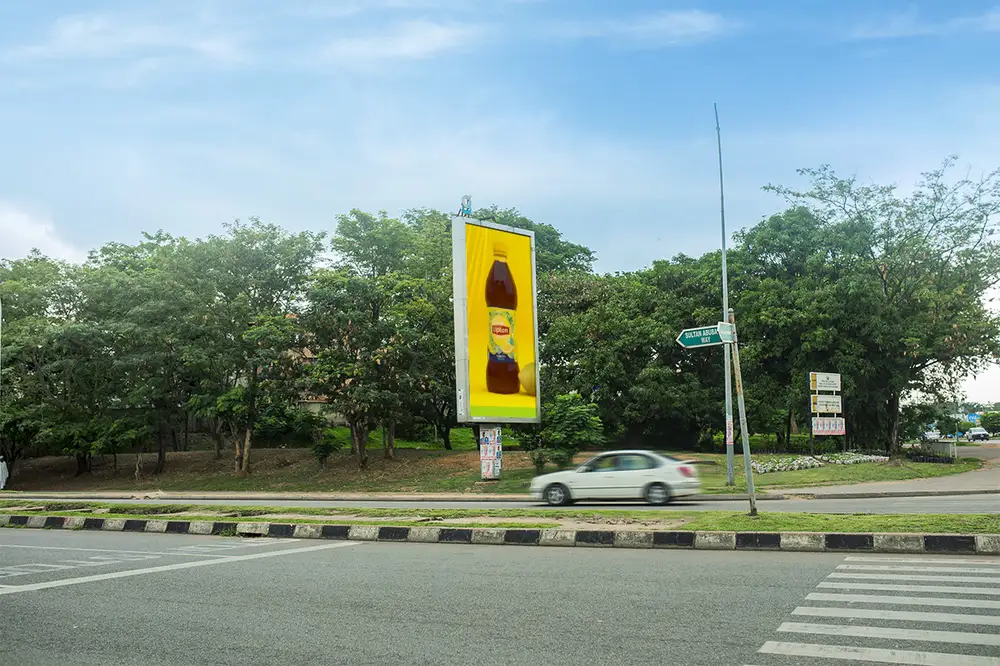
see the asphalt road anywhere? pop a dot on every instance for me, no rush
(986, 503)
(113, 599)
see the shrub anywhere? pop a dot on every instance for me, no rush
(327, 441)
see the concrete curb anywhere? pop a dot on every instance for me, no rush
(967, 544)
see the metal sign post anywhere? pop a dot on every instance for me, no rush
(826, 406)
(730, 472)
(724, 333)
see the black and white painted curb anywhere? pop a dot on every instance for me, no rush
(978, 544)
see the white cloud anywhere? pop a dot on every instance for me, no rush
(410, 40)
(105, 36)
(21, 232)
(665, 28)
(909, 24)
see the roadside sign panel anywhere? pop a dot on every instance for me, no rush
(824, 381)
(703, 336)
(827, 404)
(826, 425)
(496, 327)
(490, 453)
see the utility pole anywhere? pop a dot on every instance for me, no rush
(730, 457)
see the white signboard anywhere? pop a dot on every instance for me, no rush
(490, 453)
(824, 381)
(827, 404)
(823, 425)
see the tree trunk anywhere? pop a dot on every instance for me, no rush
(893, 429)
(446, 435)
(245, 461)
(788, 431)
(238, 461)
(217, 438)
(389, 435)
(82, 463)
(359, 442)
(161, 449)
(174, 440)
(138, 464)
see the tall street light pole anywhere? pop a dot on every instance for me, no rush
(730, 469)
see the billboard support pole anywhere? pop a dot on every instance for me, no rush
(743, 415)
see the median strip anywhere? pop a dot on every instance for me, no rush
(978, 544)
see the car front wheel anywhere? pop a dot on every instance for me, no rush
(556, 495)
(658, 494)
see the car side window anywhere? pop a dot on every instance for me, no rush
(606, 464)
(635, 462)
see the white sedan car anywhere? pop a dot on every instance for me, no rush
(620, 475)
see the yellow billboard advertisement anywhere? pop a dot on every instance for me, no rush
(496, 331)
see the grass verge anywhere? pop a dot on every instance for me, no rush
(620, 519)
(713, 476)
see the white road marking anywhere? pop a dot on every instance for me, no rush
(911, 657)
(940, 589)
(172, 567)
(95, 561)
(923, 560)
(99, 550)
(893, 567)
(893, 633)
(916, 577)
(903, 601)
(906, 616)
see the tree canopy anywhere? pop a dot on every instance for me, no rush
(239, 332)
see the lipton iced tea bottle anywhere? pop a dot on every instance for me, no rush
(501, 304)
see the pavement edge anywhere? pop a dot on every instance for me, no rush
(944, 544)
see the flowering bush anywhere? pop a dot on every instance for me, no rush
(852, 457)
(807, 462)
(785, 464)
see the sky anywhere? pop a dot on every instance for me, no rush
(118, 117)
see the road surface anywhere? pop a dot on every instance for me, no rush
(987, 503)
(105, 599)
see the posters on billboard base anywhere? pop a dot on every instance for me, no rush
(496, 327)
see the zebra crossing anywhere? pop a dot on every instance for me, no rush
(895, 609)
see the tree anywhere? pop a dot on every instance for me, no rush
(912, 274)
(569, 425)
(259, 273)
(431, 320)
(991, 422)
(553, 254)
(358, 325)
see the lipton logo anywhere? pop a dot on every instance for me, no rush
(501, 329)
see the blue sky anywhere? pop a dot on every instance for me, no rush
(593, 115)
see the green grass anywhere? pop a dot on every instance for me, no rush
(543, 518)
(713, 477)
(426, 471)
(811, 522)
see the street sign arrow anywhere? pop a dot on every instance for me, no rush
(704, 336)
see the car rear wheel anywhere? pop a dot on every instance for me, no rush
(658, 494)
(556, 495)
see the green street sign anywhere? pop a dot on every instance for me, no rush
(705, 336)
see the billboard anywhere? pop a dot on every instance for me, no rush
(496, 330)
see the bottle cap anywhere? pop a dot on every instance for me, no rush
(499, 249)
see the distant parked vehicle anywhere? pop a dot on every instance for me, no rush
(931, 436)
(977, 434)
